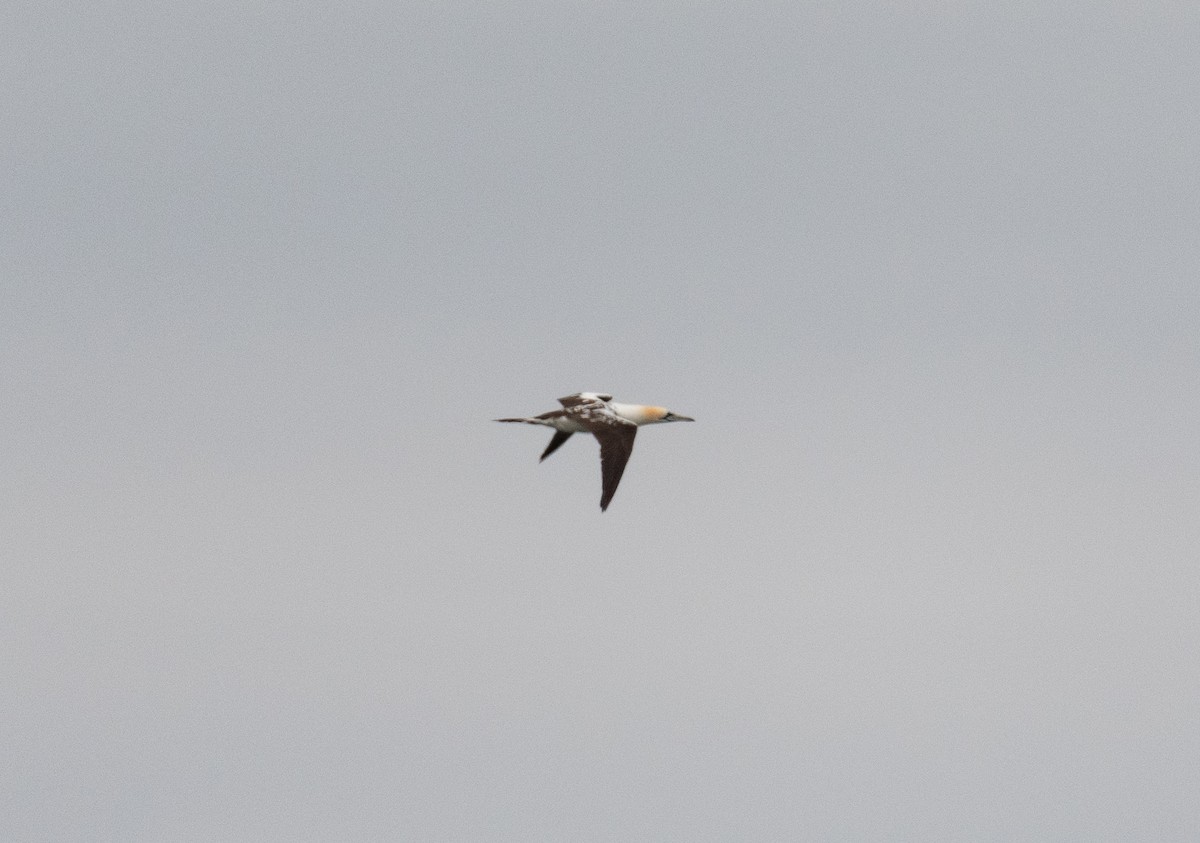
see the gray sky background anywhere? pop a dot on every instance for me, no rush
(926, 567)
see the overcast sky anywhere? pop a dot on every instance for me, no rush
(927, 566)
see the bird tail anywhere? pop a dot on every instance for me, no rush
(527, 421)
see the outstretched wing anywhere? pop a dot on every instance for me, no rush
(556, 442)
(615, 435)
(581, 399)
(616, 445)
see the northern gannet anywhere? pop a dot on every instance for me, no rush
(613, 424)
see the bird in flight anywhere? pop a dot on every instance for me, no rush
(614, 426)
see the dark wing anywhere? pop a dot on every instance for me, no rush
(579, 399)
(614, 434)
(616, 444)
(556, 442)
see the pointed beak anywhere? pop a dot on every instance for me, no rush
(677, 417)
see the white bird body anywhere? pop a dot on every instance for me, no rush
(638, 414)
(613, 424)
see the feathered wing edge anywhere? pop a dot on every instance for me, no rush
(616, 446)
(556, 441)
